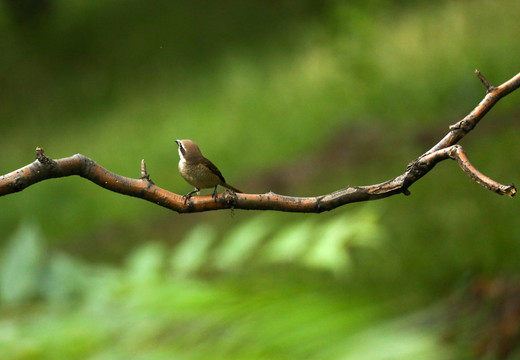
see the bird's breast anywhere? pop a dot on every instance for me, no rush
(198, 175)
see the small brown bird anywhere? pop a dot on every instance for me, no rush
(199, 171)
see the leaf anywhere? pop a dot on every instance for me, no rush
(67, 278)
(240, 243)
(20, 271)
(339, 235)
(146, 263)
(290, 243)
(192, 252)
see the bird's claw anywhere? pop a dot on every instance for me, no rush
(186, 198)
(188, 195)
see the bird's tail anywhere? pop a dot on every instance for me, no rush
(232, 188)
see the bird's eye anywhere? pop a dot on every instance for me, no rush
(183, 150)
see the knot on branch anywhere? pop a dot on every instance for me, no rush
(465, 125)
(230, 197)
(454, 151)
(44, 160)
(417, 168)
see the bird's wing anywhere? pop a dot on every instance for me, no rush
(214, 169)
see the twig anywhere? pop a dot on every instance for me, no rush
(458, 154)
(484, 81)
(144, 173)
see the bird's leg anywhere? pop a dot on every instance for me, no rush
(215, 193)
(188, 195)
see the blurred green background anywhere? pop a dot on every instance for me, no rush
(296, 97)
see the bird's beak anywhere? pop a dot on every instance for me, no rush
(178, 142)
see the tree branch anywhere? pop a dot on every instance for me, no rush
(458, 154)
(45, 168)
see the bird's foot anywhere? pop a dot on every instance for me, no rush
(188, 195)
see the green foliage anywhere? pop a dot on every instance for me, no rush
(159, 306)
